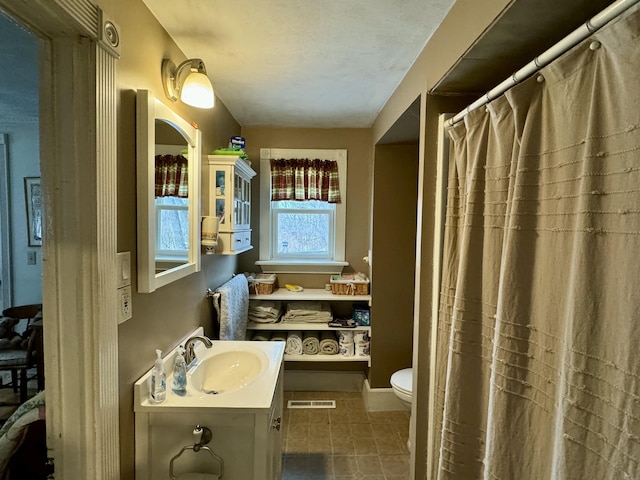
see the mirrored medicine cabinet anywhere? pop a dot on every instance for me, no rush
(168, 193)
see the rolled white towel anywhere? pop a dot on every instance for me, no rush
(294, 343)
(279, 336)
(328, 343)
(311, 343)
(261, 335)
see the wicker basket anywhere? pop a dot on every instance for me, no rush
(263, 284)
(357, 284)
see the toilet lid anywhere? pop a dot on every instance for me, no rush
(403, 380)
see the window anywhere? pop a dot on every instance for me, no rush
(302, 229)
(172, 225)
(302, 236)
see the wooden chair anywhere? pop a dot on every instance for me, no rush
(19, 360)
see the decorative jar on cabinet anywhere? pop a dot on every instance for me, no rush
(230, 201)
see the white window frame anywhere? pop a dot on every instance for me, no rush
(330, 211)
(269, 264)
(178, 255)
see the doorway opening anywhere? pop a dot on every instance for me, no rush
(20, 199)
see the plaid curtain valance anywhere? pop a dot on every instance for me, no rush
(172, 176)
(304, 179)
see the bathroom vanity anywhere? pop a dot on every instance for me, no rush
(235, 389)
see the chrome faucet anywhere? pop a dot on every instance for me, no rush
(190, 354)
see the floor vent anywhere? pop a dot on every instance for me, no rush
(311, 404)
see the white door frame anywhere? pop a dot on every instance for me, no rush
(5, 218)
(78, 171)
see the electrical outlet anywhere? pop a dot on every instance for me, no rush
(31, 257)
(125, 310)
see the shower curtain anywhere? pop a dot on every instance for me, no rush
(538, 343)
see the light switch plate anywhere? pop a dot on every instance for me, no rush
(124, 269)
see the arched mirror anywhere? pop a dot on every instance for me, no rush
(168, 184)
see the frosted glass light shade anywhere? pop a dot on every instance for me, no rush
(197, 91)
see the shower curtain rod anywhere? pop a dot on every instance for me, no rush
(545, 58)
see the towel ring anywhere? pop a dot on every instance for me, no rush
(203, 437)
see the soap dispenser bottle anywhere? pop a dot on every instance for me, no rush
(158, 380)
(180, 375)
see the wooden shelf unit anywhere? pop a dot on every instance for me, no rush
(314, 294)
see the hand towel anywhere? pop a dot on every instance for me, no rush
(232, 306)
(308, 312)
(311, 343)
(264, 311)
(328, 343)
(294, 343)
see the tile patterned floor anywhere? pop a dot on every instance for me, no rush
(345, 443)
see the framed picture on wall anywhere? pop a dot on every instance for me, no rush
(33, 197)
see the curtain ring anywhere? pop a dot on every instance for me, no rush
(595, 45)
(540, 78)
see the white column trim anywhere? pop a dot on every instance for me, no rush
(78, 170)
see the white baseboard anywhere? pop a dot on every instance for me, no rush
(381, 399)
(375, 399)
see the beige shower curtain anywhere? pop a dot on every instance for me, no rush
(538, 356)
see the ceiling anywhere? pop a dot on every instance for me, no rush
(327, 64)
(321, 63)
(524, 30)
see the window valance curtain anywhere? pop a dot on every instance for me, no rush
(172, 176)
(537, 373)
(304, 179)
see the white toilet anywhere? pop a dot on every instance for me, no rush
(402, 385)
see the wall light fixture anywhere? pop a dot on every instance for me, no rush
(189, 82)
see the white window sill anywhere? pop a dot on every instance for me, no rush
(307, 266)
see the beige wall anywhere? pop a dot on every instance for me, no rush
(161, 318)
(359, 173)
(395, 192)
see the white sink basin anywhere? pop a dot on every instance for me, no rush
(227, 371)
(243, 373)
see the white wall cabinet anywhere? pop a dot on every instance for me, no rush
(230, 201)
(287, 296)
